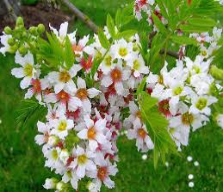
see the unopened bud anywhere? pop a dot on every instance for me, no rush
(7, 30)
(41, 28)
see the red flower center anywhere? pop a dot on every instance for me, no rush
(116, 75)
(102, 173)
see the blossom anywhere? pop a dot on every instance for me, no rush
(93, 132)
(143, 141)
(63, 79)
(27, 70)
(83, 161)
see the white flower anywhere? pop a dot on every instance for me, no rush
(45, 130)
(83, 161)
(122, 49)
(62, 33)
(93, 132)
(27, 71)
(4, 41)
(63, 79)
(103, 173)
(201, 104)
(219, 119)
(143, 141)
(116, 77)
(83, 93)
(137, 64)
(50, 183)
(61, 126)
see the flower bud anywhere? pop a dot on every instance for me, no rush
(14, 48)
(7, 30)
(216, 72)
(41, 28)
(19, 21)
(61, 186)
(23, 50)
(11, 41)
(33, 30)
(50, 183)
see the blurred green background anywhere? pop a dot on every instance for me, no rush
(21, 160)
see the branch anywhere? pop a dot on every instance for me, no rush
(170, 53)
(10, 9)
(81, 16)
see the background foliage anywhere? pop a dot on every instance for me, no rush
(22, 164)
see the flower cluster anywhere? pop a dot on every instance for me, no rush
(92, 95)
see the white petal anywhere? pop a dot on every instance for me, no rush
(106, 81)
(81, 83)
(58, 87)
(93, 92)
(18, 72)
(83, 134)
(81, 171)
(63, 29)
(93, 145)
(25, 82)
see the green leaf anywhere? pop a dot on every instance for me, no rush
(103, 40)
(68, 53)
(182, 40)
(156, 125)
(111, 26)
(202, 21)
(126, 34)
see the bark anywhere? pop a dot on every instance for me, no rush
(9, 8)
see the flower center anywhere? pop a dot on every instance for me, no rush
(196, 69)
(54, 154)
(102, 173)
(82, 159)
(108, 61)
(77, 48)
(187, 118)
(164, 107)
(136, 65)
(138, 114)
(28, 70)
(64, 76)
(91, 133)
(82, 94)
(177, 90)
(36, 86)
(160, 80)
(123, 51)
(63, 96)
(201, 103)
(142, 133)
(62, 126)
(116, 75)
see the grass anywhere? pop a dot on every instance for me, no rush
(22, 164)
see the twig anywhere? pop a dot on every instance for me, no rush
(81, 16)
(10, 9)
(170, 53)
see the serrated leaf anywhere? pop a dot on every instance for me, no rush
(68, 53)
(156, 125)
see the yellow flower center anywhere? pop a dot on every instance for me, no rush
(28, 70)
(64, 76)
(82, 159)
(62, 126)
(91, 133)
(123, 52)
(82, 94)
(136, 65)
(187, 118)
